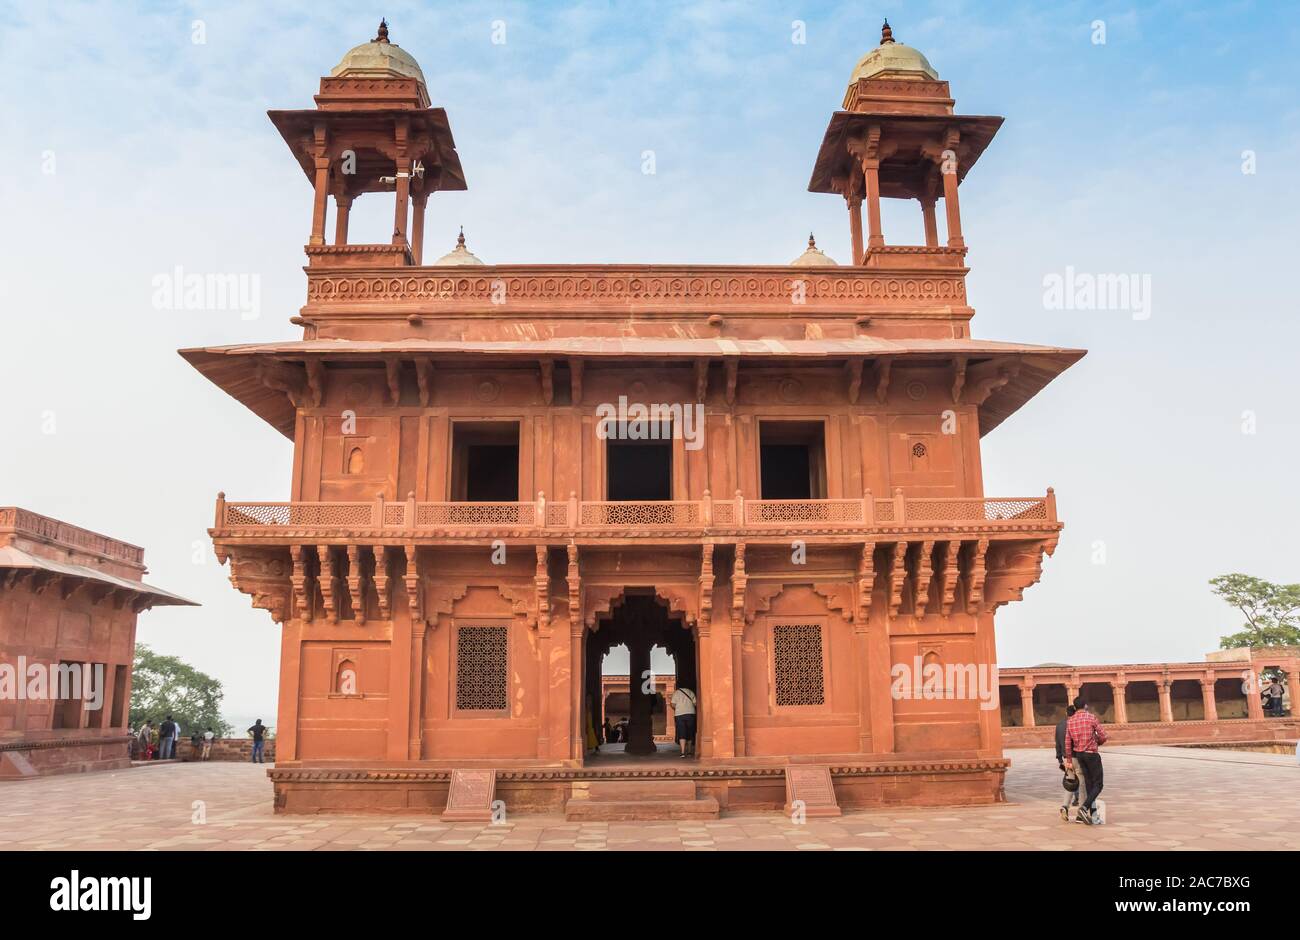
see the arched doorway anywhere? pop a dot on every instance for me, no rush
(639, 621)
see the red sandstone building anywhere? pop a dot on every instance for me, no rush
(465, 539)
(69, 598)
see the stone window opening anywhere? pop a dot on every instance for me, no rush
(485, 462)
(792, 459)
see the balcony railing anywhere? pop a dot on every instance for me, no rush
(612, 518)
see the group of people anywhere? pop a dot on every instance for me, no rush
(159, 743)
(683, 702)
(1273, 693)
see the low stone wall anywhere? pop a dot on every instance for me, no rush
(67, 753)
(1168, 732)
(226, 749)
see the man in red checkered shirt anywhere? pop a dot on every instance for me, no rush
(1083, 735)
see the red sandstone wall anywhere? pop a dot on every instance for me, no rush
(226, 749)
(1177, 732)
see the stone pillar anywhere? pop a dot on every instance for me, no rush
(1254, 707)
(948, 170)
(871, 171)
(1027, 704)
(1207, 700)
(738, 687)
(403, 198)
(417, 227)
(1293, 683)
(862, 650)
(399, 686)
(716, 657)
(322, 201)
(286, 722)
(931, 223)
(855, 226)
(1118, 689)
(640, 732)
(415, 729)
(342, 208)
(577, 734)
(1166, 707)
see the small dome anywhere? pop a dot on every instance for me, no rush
(458, 255)
(378, 58)
(893, 57)
(814, 257)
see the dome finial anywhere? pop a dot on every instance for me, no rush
(382, 35)
(886, 33)
(460, 239)
(812, 242)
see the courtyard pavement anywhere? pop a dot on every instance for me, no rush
(1157, 798)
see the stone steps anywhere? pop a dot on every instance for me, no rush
(637, 800)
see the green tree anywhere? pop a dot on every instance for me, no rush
(165, 685)
(1272, 611)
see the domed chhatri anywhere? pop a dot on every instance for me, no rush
(813, 257)
(458, 255)
(892, 59)
(378, 58)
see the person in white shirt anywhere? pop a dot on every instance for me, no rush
(207, 743)
(684, 719)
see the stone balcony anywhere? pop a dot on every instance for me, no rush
(571, 519)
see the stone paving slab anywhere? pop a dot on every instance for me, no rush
(1172, 799)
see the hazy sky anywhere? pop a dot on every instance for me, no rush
(131, 149)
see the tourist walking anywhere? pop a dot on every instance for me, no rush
(258, 731)
(1071, 795)
(167, 739)
(1083, 735)
(684, 719)
(143, 738)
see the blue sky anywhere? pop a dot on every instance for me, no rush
(1117, 158)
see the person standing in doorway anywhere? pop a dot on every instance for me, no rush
(167, 739)
(1083, 735)
(1273, 694)
(684, 719)
(258, 731)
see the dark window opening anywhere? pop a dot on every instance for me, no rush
(485, 462)
(64, 681)
(792, 460)
(639, 470)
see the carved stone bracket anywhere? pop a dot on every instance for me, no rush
(383, 588)
(706, 586)
(739, 582)
(897, 575)
(542, 585)
(574, 579)
(975, 575)
(866, 582)
(328, 579)
(948, 577)
(356, 584)
(924, 572)
(414, 588)
(302, 583)
(262, 574)
(424, 378)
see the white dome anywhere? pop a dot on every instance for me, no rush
(378, 58)
(458, 255)
(813, 257)
(893, 57)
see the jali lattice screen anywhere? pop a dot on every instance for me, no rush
(797, 663)
(481, 683)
